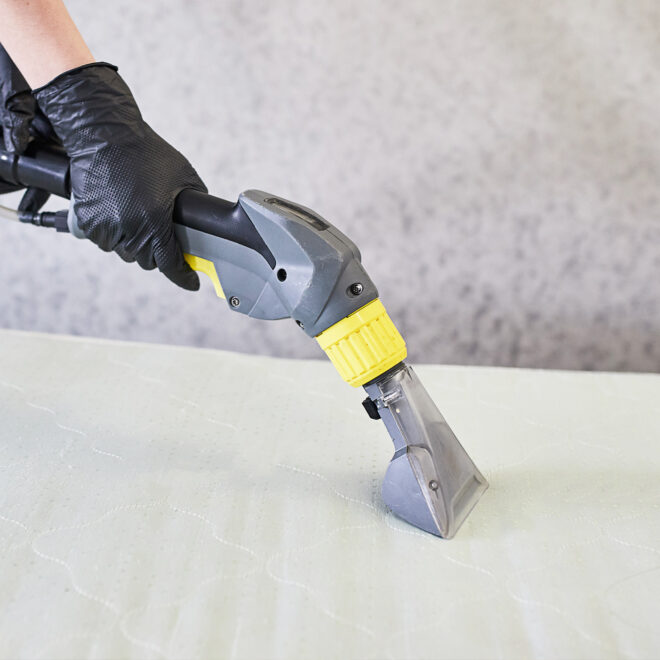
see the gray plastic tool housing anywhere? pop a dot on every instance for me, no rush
(316, 265)
(317, 268)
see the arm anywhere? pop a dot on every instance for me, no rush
(41, 38)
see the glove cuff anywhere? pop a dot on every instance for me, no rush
(92, 99)
(72, 72)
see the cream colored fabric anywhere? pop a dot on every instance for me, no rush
(160, 502)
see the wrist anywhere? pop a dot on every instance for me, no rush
(70, 75)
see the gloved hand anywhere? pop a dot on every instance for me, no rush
(20, 120)
(124, 177)
(18, 106)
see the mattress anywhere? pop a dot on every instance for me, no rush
(171, 502)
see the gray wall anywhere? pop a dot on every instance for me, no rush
(497, 163)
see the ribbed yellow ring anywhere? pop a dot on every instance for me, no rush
(363, 345)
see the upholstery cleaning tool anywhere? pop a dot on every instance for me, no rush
(272, 259)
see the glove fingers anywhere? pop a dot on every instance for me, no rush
(145, 260)
(106, 234)
(20, 110)
(129, 255)
(169, 259)
(138, 247)
(131, 252)
(42, 129)
(5, 187)
(33, 200)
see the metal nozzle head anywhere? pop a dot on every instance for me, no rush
(430, 482)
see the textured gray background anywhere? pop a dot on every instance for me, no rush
(497, 163)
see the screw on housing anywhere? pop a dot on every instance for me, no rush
(356, 289)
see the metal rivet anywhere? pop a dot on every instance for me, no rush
(234, 301)
(433, 485)
(300, 324)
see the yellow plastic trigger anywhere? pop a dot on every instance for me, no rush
(208, 268)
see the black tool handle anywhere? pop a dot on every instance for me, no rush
(47, 167)
(44, 167)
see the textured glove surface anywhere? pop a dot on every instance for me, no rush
(124, 177)
(18, 105)
(18, 112)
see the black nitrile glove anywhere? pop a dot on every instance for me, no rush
(20, 120)
(124, 177)
(18, 106)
